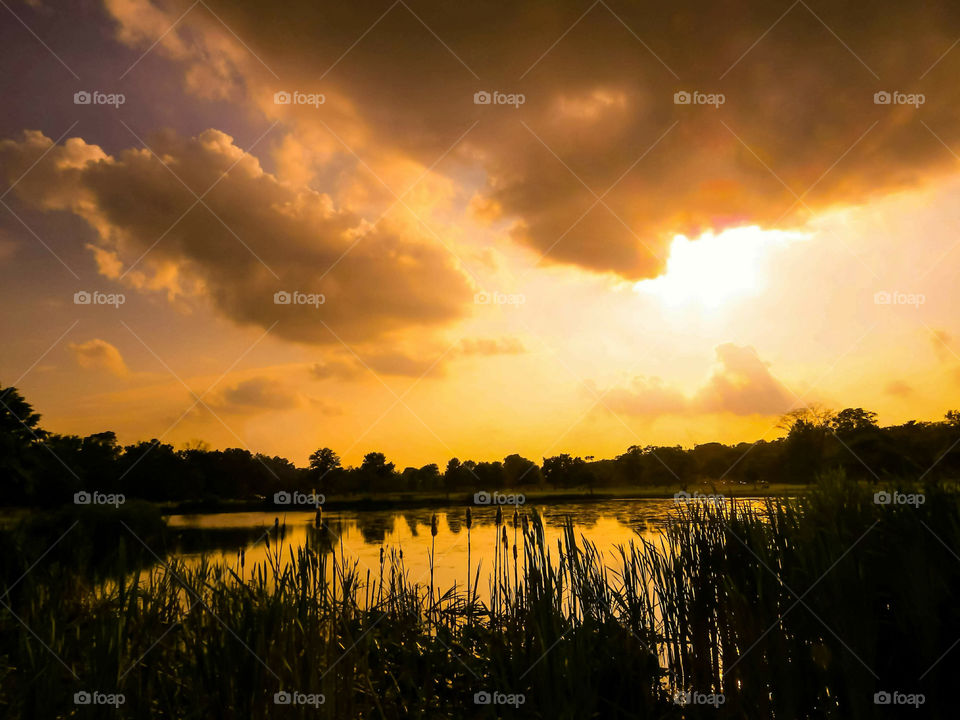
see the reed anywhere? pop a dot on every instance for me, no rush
(802, 608)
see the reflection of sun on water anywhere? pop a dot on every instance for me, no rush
(714, 269)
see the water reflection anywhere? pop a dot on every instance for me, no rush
(361, 534)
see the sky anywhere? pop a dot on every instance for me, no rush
(435, 230)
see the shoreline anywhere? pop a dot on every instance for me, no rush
(362, 503)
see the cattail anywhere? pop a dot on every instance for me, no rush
(499, 516)
(243, 558)
(504, 538)
(318, 518)
(516, 518)
(433, 525)
(381, 554)
(469, 525)
(283, 530)
(525, 523)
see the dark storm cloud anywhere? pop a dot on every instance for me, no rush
(265, 252)
(599, 167)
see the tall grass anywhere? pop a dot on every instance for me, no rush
(798, 609)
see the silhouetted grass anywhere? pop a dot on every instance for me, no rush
(800, 609)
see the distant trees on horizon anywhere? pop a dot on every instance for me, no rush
(38, 467)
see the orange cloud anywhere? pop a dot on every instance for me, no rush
(741, 384)
(263, 251)
(98, 354)
(256, 394)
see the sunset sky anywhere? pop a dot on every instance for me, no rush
(582, 264)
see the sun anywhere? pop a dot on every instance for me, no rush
(715, 269)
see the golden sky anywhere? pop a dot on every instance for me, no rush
(668, 225)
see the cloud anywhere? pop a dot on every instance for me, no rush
(599, 167)
(647, 396)
(7, 247)
(98, 354)
(492, 346)
(349, 366)
(942, 344)
(338, 369)
(251, 237)
(397, 363)
(256, 394)
(741, 384)
(899, 388)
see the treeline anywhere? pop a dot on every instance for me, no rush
(38, 467)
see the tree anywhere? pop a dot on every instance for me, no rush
(518, 471)
(455, 474)
(850, 421)
(324, 461)
(428, 477)
(807, 429)
(565, 471)
(20, 434)
(375, 472)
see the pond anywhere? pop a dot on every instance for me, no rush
(360, 535)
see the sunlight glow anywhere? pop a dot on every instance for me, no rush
(713, 269)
